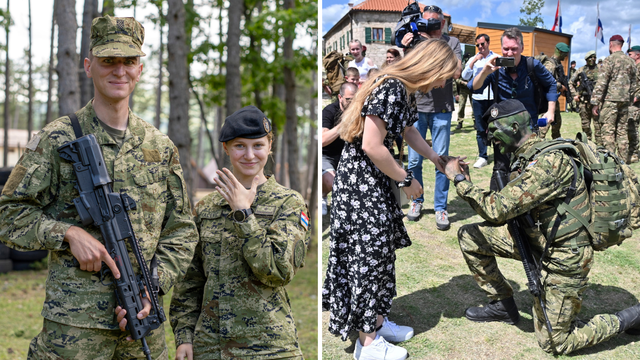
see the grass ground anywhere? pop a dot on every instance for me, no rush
(22, 295)
(434, 285)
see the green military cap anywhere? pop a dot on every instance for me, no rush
(635, 48)
(562, 47)
(119, 37)
(590, 54)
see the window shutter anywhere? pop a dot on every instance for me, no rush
(387, 35)
(367, 35)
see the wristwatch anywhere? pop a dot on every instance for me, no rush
(407, 180)
(241, 214)
(458, 179)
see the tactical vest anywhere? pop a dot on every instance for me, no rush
(612, 189)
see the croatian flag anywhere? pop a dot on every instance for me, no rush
(599, 30)
(558, 21)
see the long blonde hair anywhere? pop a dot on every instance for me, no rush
(429, 62)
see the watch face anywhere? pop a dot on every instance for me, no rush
(238, 215)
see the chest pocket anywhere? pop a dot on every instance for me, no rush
(151, 183)
(211, 230)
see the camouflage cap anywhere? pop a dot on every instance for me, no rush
(119, 37)
(590, 54)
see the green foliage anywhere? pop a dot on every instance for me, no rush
(531, 9)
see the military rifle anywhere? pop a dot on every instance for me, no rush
(564, 80)
(585, 86)
(100, 206)
(531, 268)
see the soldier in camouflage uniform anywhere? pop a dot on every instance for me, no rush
(462, 93)
(581, 96)
(634, 109)
(554, 66)
(617, 85)
(254, 234)
(37, 210)
(534, 188)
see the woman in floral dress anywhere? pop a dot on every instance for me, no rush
(366, 220)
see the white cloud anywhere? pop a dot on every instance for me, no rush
(331, 15)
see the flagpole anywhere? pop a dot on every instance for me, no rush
(598, 7)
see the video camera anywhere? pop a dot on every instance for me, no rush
(412, 21)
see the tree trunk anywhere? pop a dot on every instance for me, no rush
(48, 118)
(108, 7)
(234, 85)
(179, 88)
(291, 127)
(7, 83)
(86, 83)
(160, 73)
(68, 92)
(30, 111)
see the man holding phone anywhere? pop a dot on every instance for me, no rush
(514, 83)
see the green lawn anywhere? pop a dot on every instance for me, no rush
(435, 286)
(22, 295)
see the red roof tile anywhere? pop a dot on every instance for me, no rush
(384, 5)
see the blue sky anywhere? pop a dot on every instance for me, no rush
(578, 18)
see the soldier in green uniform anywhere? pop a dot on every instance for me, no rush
(634, 109)
(534, 188)
(254, 234)
(462, 94)
(554, 65)
(616, 87)
(37, 209)
(580, 92)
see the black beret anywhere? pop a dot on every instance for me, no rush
(503, 109)
(248, 122)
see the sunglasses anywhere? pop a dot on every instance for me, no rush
(481, 44)
(433, 8)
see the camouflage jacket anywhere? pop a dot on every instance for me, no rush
(536, 187)
(591, 74)
(232, 302)
(460, 87)
(551, 64)
(36, 210)
(617, 80)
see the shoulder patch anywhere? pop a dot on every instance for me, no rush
(265, 210)
(531, 164)
(151, 155)
(33, 143)
(304, 220)
(14, 179)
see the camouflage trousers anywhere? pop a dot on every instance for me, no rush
(58, 341)
(586, 116)
(614, 118)
(564, 278)
(634, 122)
(555, 127)
(462, 104)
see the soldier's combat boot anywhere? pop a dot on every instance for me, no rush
(630, 320)
(498, 310)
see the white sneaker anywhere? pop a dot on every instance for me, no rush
(324, 206)
(379, 349)
(480, 163)
(395, 333)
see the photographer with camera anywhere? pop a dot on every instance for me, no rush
(434, 107)
(512, 75)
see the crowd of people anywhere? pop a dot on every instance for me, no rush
(415, 92)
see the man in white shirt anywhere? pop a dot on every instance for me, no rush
(480, 102)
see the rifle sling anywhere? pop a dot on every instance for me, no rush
(76, 125)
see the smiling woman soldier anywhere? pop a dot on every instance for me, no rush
(253, 238)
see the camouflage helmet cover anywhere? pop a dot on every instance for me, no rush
(114, 36)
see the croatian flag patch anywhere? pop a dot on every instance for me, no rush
(532, 163)
(304, 220)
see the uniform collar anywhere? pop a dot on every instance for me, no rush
(91, 125)
(534, 139)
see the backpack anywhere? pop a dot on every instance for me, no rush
(334, 65)
(539, 93)
(612, 188)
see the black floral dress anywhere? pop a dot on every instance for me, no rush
(366, 223)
